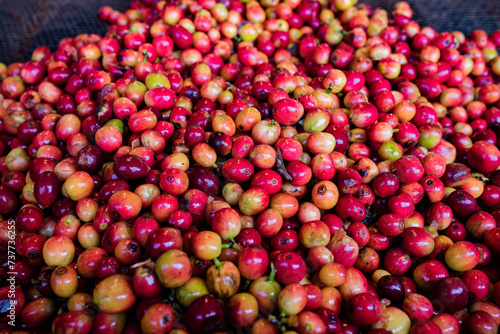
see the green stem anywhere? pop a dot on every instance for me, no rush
(480, 177)
(234, 245)
(217, 263)
(273, 273)
(329, 90)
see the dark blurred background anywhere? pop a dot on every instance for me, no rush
(26, 24)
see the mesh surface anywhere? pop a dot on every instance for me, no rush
(26, 24)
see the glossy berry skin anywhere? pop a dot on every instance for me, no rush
(8, 200)
(433, 188)
(456, 231)
(484, 157)
(428, 273)
(130, 167)
(451, 294)
(253, 262)
(124, 205)
(89, 261)
(202, 179)
(114, 294)
(391, 288)
(409, 169)
(107, 322)
(268, 179)
(290, 267)
(253, 201)
(292, 299)
(174, 181)
(76, 321)
(331, 320)
(37, 312)
(417, 242)
(206, 314)
(364, 309)
(173, 268)
(462, 256)
(363, 114)
(481, 322)
(159, 318)
(90, 159)
(64, 281)
(349, 181)
(455, 175)
(462, 203)
(477, 283)
(227, 223)
(314, 233)
(47, 188)
(243, 309)
(402, 204)
(491, 239)
(425, 327)
(107, 267)
(288, 111)
(391, 224)
(221, 143)
(344, 248)
(359, 233)
(385, 184)
(439, 215)
(58, 251)
(349, 208)
(237, 170)
(33, 248)
(314, 297)
(145, 283)
(248, 237)
(301, 173)
(418, 307)
(29, 219)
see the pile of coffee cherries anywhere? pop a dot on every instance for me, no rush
(223, 166)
